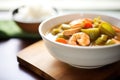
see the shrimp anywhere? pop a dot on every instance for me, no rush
(116, 29)
(80, 38)
(70, 32)
(76, 23)
(83, 23)
(117, 36)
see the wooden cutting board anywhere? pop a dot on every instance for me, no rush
(37, 59)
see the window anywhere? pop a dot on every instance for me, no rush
(65, 4)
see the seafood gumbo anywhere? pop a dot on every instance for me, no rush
(86, 32)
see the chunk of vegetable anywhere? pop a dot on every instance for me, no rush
(56, 31)
(102, 39)
(60, 35)
(92, 32)
(87, 23)
(107, 29)
(97, 21)
(109, 42)
(65, 26)
(61, 40)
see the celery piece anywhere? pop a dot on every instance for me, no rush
(55, 31)
(60, 35)
(109, 42)
(96, 21)
(65, 26)
(102, 39)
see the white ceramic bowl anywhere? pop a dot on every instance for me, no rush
(80, 56)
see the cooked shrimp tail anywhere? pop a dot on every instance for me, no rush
(80, 38)
(116, 29)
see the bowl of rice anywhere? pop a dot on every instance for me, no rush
(29, 17)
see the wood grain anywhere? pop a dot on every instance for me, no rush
(37, 59)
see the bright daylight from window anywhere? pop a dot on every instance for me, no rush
(65, 4)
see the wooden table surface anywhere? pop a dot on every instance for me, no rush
(9, 67)
(38, 59)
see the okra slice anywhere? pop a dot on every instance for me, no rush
(109, 42)
(55, 31)
(101, 40)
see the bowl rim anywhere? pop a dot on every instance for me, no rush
(71, 46)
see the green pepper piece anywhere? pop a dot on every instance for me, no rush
(92, 32)
(107, 29)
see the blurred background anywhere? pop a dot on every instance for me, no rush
(65, 4)
(111, 7)
(13, 39)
